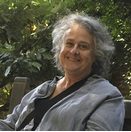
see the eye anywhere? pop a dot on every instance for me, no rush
(84, 46)
(69, 44)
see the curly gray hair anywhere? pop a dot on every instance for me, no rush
(104, 45)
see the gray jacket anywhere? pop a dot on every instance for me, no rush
(97, 105)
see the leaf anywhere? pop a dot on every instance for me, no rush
(36, 65)
(7, 71)
(38, 56)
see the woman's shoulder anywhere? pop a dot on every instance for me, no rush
(44, 89)
(100, 85)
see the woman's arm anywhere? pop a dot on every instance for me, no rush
(8, 124)
(109, 116)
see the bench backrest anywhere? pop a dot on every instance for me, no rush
(21, 86)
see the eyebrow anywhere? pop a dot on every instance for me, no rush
(69, 39)
(72, 40)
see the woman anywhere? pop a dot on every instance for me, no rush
(82, 99)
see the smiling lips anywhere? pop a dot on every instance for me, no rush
(73, 59)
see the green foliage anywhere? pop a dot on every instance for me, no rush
(26, 43)
(25, 38)
(4, 100)
(5, 92)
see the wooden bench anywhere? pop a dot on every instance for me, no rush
(127, 123)
(22, 86)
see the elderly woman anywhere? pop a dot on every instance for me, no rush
(82, 99)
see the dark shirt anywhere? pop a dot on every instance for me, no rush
(42, 105)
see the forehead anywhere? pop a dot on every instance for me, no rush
(78, 32)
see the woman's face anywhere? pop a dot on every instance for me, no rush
(77, 52)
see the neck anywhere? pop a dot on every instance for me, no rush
(70, 79)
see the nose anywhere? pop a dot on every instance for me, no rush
(75, 50)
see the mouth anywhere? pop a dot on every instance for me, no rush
(72, 59)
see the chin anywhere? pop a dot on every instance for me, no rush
(72, 71)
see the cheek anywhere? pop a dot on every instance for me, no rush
(90, 57)
(63, 52)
